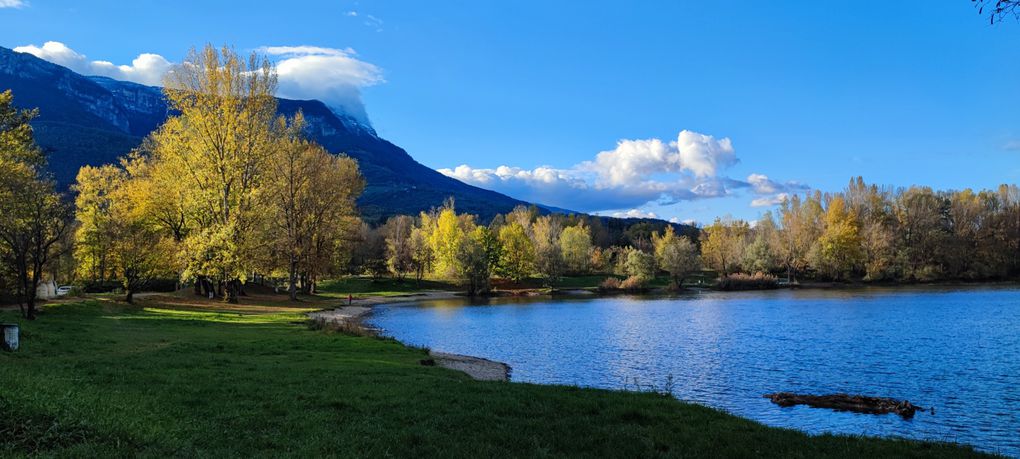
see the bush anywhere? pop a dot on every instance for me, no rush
(633, 283)
(741, 281)
(611, 283)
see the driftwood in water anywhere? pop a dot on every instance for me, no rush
(844, 402)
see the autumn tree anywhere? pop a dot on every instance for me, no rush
(473, 261)
(308, 197)
(216, 146)
(94, 233)
(421, 253)
(548, 255)
(759, 256)
(445, 240)
(33, 218)
(399, 253)
(676, 255)
(841, 252)
(640, 265)
(518, 252)
(134, 251)
(724, 244)
(575, 244)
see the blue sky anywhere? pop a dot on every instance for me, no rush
(806, 94)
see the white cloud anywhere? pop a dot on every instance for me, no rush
(334, 76)
(145, 69)
(703, 154)
(634, 213)
(767, 201)
(12, 4)
(1012, 145)
(368, 20)
(629, 176)
(770, 192)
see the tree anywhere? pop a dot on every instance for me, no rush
(400, 256)
(517, 258)
(800, 229)
(548, 257)
(676, 255)
(759, 257)
(421, 253)
(33, 217)
(640, 265)
(841, 252)
(215, 147)
(445, 240)
(308, 196)
(114, 229)
(575, 244)
(473, 261)
(94, 234)
(724, 244)
(998, 10)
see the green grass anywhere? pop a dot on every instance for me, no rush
(101, 379)
(361, 286)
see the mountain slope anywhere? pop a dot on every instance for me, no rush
(94, 120)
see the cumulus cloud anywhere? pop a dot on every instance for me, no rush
(635, 173)
(768, 201)
(12, 3)
(634, 213)
(334, 76)
(145, 69)
(771, 192)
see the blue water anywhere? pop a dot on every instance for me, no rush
(954, 349)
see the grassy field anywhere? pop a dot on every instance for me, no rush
(361, 286)
(185, 378)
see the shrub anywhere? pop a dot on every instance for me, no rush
(741, 281)
(633, 283)
(611, 283)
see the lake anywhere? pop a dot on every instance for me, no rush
(954, 349)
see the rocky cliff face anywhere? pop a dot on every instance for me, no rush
(94, 120)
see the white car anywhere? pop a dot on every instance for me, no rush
(63, 290)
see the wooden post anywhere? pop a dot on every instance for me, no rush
(11, 334)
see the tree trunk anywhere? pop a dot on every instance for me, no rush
(129, 296)
(232, 291)
(292, 284)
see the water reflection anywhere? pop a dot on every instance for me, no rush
(957, 349)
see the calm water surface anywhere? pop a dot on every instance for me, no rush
(956, 349)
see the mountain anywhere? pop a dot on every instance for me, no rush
(94, 120)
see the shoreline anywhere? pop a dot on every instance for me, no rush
(353, 315)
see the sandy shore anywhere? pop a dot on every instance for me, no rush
(476, 367)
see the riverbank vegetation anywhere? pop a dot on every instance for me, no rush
(166, 378)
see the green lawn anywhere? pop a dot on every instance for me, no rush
(100, 379)
(361, 286)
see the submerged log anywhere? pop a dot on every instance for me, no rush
(845, 402)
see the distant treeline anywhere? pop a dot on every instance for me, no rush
(872, 233)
